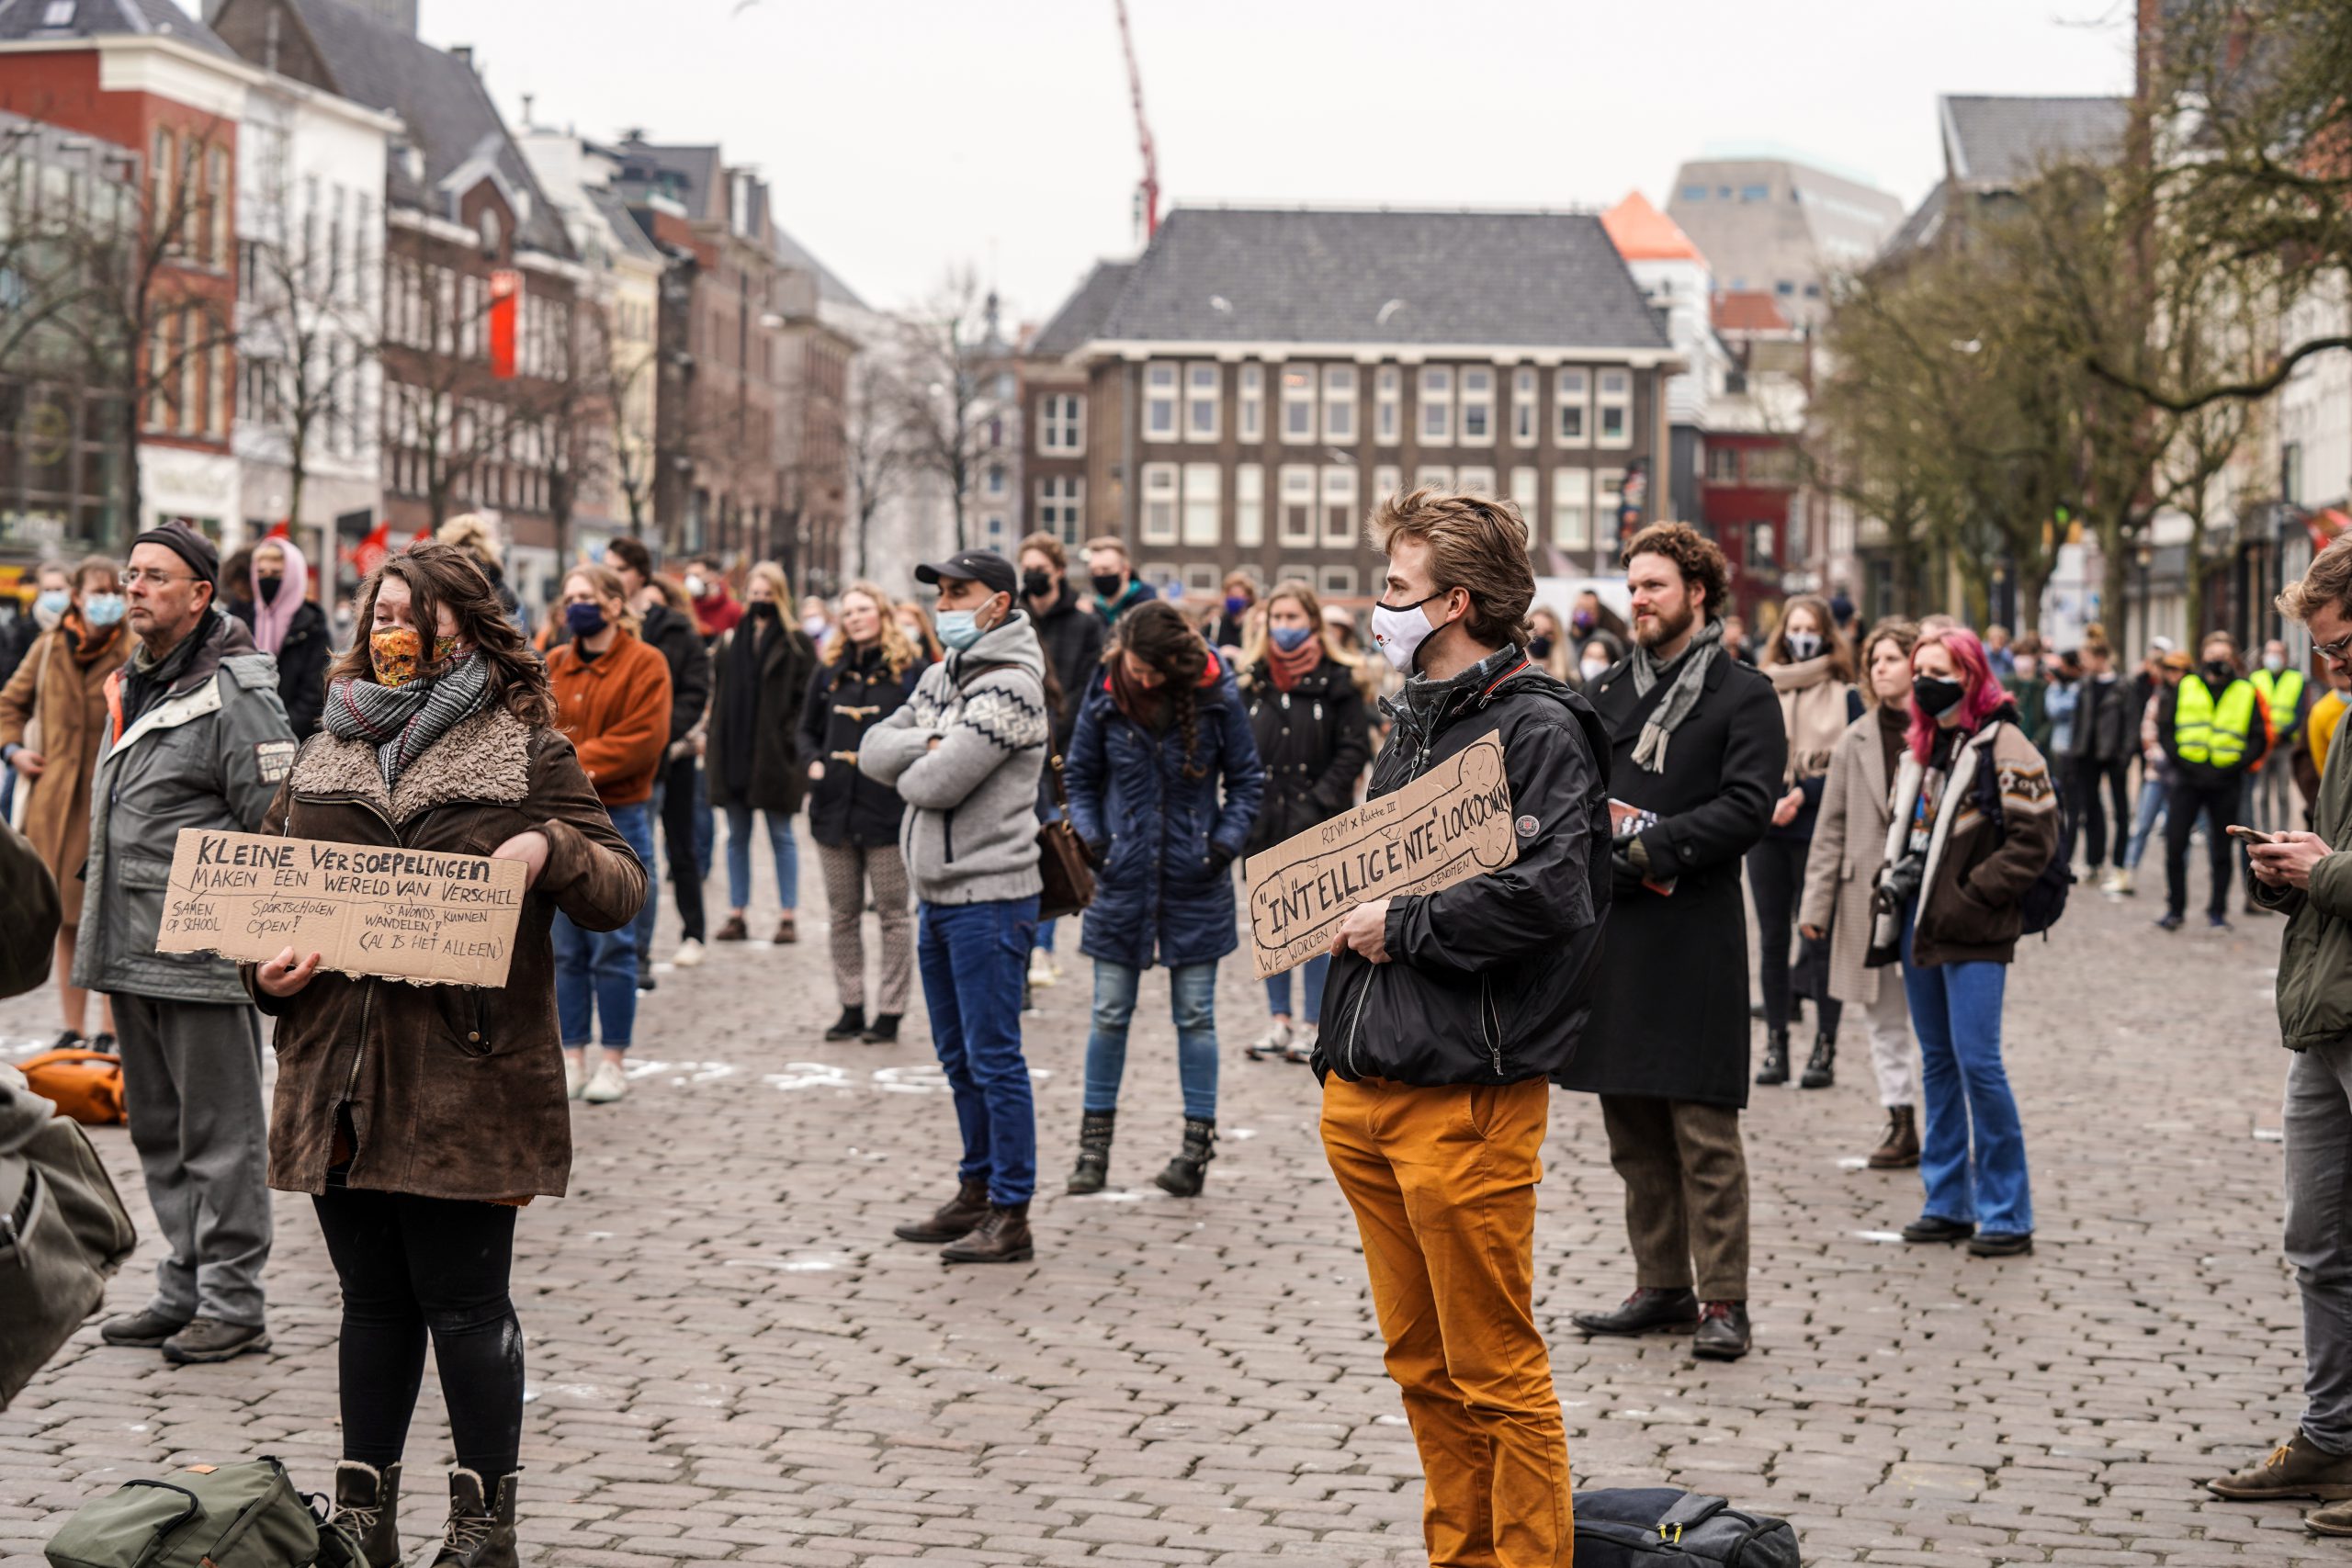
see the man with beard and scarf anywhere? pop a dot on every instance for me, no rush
(1117, 589)
(196, 736)
(2214, 730)
(1697, 747)
(1445, 1014)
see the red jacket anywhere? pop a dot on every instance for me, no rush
(615, 709)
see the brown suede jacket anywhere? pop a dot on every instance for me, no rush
(454, 1091)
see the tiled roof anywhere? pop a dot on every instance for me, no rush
(28, 20)
(793, 254)
(1219, 275)
(625, 233)
(1749, 311)
(2000, 143)
(1641, 232)
(1076, 323)
(1921, 227)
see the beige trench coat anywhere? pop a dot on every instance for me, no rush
(1849, 842)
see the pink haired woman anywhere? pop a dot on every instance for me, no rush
(1974, 820)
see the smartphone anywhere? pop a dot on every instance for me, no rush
(2253, 835)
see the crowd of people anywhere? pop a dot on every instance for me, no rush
(1897, 804)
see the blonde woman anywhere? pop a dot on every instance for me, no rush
(760, 672)
(916, 623)
(868, 672)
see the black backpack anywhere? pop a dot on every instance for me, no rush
(2045, 901)
(1657, 1527)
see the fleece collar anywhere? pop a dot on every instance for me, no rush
(485, 759)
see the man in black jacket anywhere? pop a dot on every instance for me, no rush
(671, 633)
(1445, 1014)
(1072, 636)
(1695, 738)
(2095, 771)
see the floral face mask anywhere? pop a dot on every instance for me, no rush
(399, 653)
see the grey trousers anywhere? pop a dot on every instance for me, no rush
(191, 1075)
(1686, 1193)
(849, 871)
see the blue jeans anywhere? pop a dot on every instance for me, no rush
(781, 843)
(595, 972)
(2153, 791)
(1191, 998)
(703, 831)
(1312, 974)
(1956, 1013)
(972, 957)
(641, 929)
(1045, 935)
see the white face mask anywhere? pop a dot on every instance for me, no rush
(1592, 669)
(2274, 664)
(694, 586)
(1803, 646)
(1400, 632)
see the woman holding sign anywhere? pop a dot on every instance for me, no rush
(1308, 719)
(420, 1118)
(1155, 737)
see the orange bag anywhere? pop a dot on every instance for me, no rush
(85, 1084)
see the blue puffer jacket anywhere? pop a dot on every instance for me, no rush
(1165, 893)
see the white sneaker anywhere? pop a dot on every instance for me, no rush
(606, 1086)
(1275, 1040)
(1040, 967)
(575, 1078)
(689, 954)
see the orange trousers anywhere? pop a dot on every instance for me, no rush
(1443, 1181)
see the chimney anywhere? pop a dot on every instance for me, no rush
(463, 54)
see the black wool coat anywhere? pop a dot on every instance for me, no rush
(779, 776)
(1669, 1005)
(848, 808)
(1314, 740)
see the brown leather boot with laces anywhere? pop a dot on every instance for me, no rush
(480, 1531)
(2296, 1468)
(367, 1503)
(1002, 1237)
(955, 1218)
(1898, 1148)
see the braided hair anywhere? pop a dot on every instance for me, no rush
(1158, 635)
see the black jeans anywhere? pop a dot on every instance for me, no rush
(678, 842)
(1776, 882)
(411, 1266)
(2219, 803)
(2083, 811)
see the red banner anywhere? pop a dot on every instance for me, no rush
(2325, 527)
(505, 295)
(369, 553)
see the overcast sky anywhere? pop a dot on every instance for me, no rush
(903, 136)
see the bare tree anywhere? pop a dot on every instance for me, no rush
(876, 456)
(943, 394)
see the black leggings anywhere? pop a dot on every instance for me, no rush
(678, 829)
(410, 1266)
(1775, 880)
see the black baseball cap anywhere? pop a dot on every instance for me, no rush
(984, 567)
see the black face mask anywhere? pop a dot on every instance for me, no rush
(267, 588)
(1539, 646)
(1035, 583)
(2219, 671)
(1936, 695)
(763, 609)
(1108, 584)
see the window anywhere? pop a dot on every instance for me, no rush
(1432, 478)
(1388, 390)
(1523, 493)
(1785, 289)
(1059, 509)
(1386, 480)
(217, 209)
(1298, 405)
(1252, 398)
(1339, 506)
(1611, 485)
(1203, 387)
(992, 531)
(995, 480)
(1437, 406)
(1159, 504)
(1204, 522)
(1481, 481)
(1297, 518)
(1338, 581)
(1340, 403)
(1522, 408)
(1723, 465)
(1477, 407)
(163, 178)
(1755, 193)
(1616, 407)
(1761, 551)
(59, 14)
(1694, 193)
(1061, 427)
(1200, 578)
(1249, 506)
(1771, 465)
(1572, 392)
(1300, 569)
(1571, 514)
(1160, 402)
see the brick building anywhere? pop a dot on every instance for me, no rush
(1246, 391)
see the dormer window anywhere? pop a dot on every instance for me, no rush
(60, 14)
(493, 233)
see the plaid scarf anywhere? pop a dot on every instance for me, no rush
(403, 722)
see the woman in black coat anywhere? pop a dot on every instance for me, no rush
(868, 673)
(759, 677)
(1314, 740)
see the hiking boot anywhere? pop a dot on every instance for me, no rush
(1270, 1045)
(1002, 1237)
(2296, 1468)
(367, 1503)
(1645, 1312)
(206, 1339)
(883, 1030)
(1931, 1228)
(145, 1330)
(787, 929)
(1723, 1333)
(733, 930)
(2336, 1521)
(851, 1024)
(953, 1219)
(1821, 1067)
(1190, 1168)
(479, 1534)
(1899, 1148)
(2014, 1244)
(1093, 1168)
(1776, 1058)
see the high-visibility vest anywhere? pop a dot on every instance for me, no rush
(2282, 694)
(2209, 733)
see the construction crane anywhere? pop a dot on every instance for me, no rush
(1150, 189)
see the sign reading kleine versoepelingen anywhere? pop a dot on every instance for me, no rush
(1449, 825)
(399, 914)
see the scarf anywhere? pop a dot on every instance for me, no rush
(1288, 669)
(1893, 736)
(403, 722)
(1813, 713)
(1423, 706)
(146, 678)
(738, 722)
(273, 618)
(1649, 751)
(85, 642)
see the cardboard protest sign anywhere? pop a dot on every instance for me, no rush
(1451, 824)
(400, 914)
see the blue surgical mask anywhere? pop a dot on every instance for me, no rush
(1291, 638)
(50, 607)
(958, 629)
(102, 609)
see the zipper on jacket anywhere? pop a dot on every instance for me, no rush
(1355, 1018)
(1490, 1023)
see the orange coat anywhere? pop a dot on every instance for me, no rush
(615, 709)
(71, 702)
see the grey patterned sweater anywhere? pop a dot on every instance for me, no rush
(970, 836)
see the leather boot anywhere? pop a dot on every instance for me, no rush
(1094, 1128)
(1776, 1058)
(956, 1217)
(1002, 1237)
(1899, 1149)
(1647, 1311)
(367, 1503)
(1190, 1168)
(1821, 1067)
(481, 1533)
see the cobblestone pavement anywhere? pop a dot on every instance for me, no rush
(731, 1360)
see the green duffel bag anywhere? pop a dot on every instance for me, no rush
(229, 1516)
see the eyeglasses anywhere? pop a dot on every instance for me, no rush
(132, 576)
(2336, 649)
